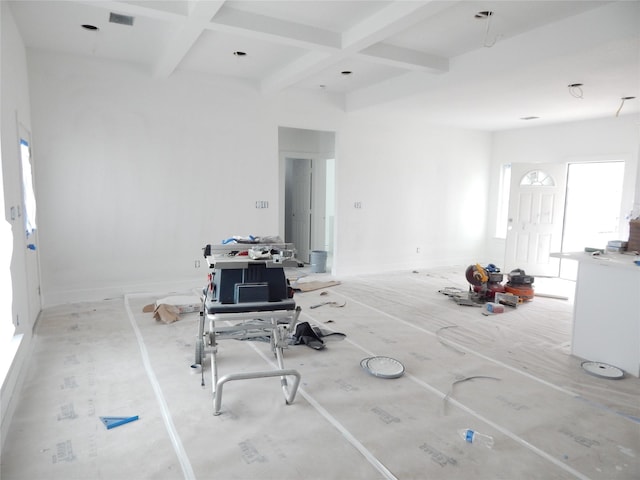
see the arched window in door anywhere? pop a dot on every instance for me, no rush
(537, 178)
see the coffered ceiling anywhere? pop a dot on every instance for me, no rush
(472, 64)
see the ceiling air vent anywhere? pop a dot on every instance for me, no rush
(121, 19)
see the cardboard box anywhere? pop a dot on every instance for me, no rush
(634, 236)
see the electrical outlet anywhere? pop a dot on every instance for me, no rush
(357, 205)
(197, 264)
(417, 249)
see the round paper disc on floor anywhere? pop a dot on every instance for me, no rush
(602, 370)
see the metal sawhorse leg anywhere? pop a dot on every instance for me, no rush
(275, 324)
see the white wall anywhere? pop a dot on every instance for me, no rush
(612, 138)
(420, 187)
(136, 174)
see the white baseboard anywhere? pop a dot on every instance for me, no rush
(61, 297)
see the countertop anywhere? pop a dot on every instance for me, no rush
(622, 260)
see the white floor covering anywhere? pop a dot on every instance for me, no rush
(509, 375)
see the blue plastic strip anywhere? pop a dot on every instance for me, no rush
(112, 422)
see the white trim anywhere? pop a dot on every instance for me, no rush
(8, 356)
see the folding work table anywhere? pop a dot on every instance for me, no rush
(248, 298)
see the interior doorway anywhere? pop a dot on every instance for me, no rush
(298, 205)
(307, 159)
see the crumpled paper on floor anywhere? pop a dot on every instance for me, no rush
(168, 309)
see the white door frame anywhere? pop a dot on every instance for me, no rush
(535, 219)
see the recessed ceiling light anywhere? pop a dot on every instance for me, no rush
(238, 53)
(86, 26)
(529, 118)
(346, 72)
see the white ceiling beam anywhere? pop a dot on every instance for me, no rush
(274, 30)
(408, 59)
(389, 21)
(533, 51)
(298, 70)
(200, 14)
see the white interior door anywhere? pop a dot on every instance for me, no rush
(301, 207)
(536, 209)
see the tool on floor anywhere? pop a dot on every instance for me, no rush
(485, 285)
(520, 284)
(508, 299)
(485, 282)
(459, 296)
(113, 422)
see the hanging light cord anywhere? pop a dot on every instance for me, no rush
(624, 99)
(575, 89)
(486, 34)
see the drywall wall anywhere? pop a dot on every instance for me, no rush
(136, 174)
(410, 194)
(139, 174)
(612, 138)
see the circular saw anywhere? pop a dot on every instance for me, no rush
(476, 275)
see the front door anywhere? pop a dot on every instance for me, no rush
(536, 209)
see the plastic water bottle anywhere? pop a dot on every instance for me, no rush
(472, 436)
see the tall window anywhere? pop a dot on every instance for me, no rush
(594, 205)
(27, 189)
(503, 201)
